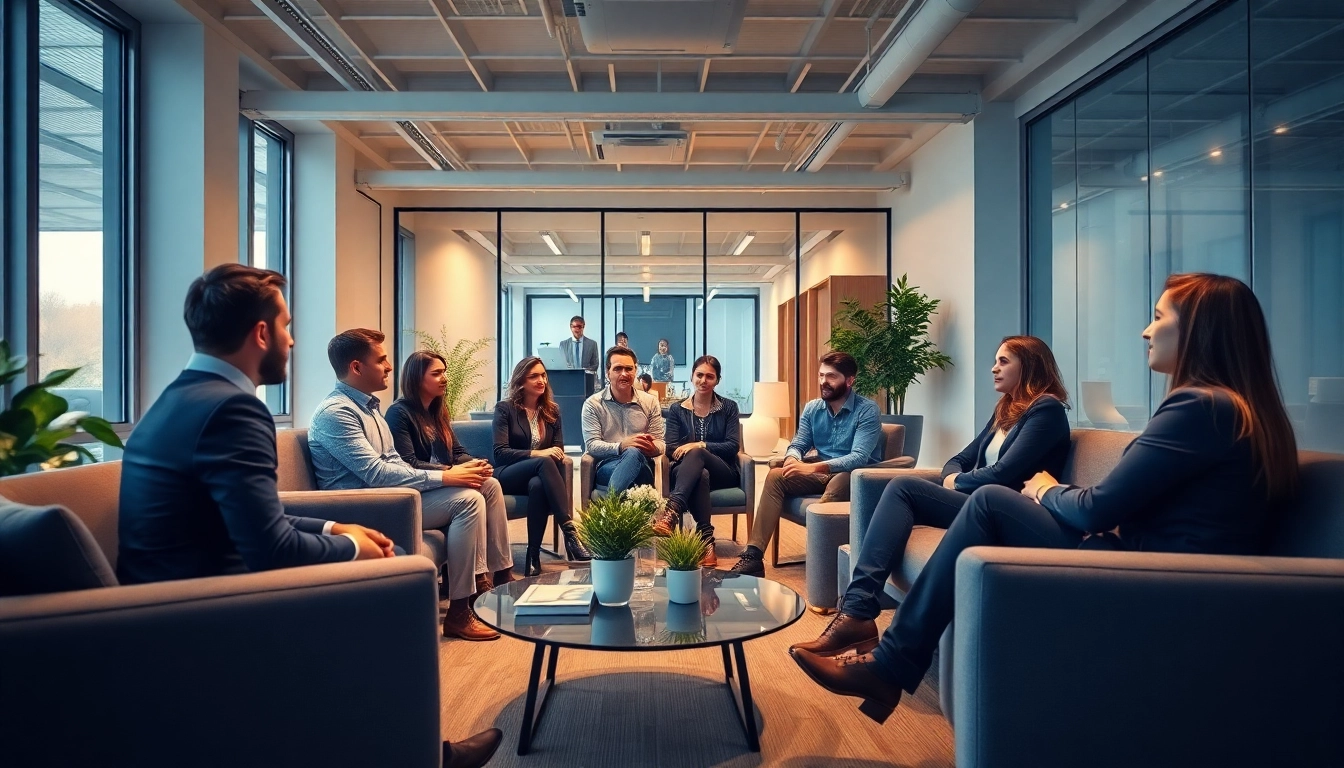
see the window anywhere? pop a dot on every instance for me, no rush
(265, 204)
(70, 188)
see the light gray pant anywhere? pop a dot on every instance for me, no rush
(476, 528)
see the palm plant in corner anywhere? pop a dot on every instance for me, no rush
(683, 550)
(36, 424)
(613, 527)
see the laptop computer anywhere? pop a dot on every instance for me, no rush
(553, 357)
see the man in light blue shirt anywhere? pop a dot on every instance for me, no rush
(844, 429)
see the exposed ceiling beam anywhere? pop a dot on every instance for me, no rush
(611, 76)
(700, 155)
(457, 32)
(77, 194)
(704, 75)
(361, 45)
(757, 144)
(61, 81)
(814, 33)
(798, 82)
(521, 150)
(652, 181)
(72, 148)
(690, 150)
(518, 17)
(603, 107)
(1090, 14)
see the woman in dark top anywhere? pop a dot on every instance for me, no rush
(530, 456)
(1217, 455)
(702, 444)
(422, 433)
(1028, 432)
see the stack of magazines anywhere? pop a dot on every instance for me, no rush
(554, 604)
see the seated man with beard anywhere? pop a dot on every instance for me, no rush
(843, 427)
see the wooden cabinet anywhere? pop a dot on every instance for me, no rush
(818, 306)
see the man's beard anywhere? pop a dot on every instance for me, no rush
(272, 368)
(838, 392)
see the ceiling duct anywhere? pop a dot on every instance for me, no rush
(641, 143)
(689, 27)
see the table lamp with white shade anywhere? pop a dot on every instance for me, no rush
(769, 404)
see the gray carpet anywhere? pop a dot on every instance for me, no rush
(672, 710)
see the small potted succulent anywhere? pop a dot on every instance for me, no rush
(612, 529)
(683, 550)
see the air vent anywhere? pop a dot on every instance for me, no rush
(698, 27)
(640, 144)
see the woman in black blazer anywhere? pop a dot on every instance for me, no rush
(529, 459)
(1028, 432)
(1215, 458)
(702, 444)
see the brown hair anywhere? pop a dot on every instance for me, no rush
(226, 303)
(1223, 343)
(434, 421)
(842, 362)
(547, 410)
(348, 346)
(1040, 376)
(628, 352)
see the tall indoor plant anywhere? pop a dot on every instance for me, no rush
(612, 528)
(891, 343)
(463, 370)
(37, 422)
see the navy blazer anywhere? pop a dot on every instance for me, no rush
(415, 448)
(513, 434)
(721, 429)
(198, 490)
(1186, 484)
(1039, 441)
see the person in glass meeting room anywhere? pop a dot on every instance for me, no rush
(1203, 476)
(702, 444)
(580, 351)
(529, 459)
(662, 364)
(1028, 432)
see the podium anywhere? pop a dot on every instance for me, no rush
(570, 388)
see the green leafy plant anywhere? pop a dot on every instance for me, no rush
(890, 341)
(668, 637)
(33, 428)
(682, 549)
(614, 526)
(463, 370)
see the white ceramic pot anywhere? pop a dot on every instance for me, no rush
(683, 586)
(613, 580)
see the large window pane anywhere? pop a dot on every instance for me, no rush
(82, 207)
(750, 275)
(264, 208)
(1296, 50)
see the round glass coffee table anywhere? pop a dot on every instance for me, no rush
(732, 610)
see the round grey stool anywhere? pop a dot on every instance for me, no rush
(827, 529)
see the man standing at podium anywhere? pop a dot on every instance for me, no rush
(580, 351)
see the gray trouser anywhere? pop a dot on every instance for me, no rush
(476, 527)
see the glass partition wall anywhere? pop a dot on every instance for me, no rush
(677, 283)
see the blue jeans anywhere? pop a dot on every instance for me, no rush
(629, 469)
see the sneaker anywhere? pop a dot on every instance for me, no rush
(752, 563)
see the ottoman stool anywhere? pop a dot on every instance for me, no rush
(827, 529)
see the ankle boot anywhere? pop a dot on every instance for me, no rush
(711, 558)
(669, 518)
(461, 623)
(503, 577)
(574, 549)
(532, 561)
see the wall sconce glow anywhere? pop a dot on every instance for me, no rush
(645, 244)
(572, 296)
(1281, 129)
(815, 240)
(743, 243)
(1157, 174)
(1216, 153)
(646, 294)
(550, 239)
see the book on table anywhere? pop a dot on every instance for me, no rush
(556, 599)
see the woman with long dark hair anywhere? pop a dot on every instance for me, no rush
(422, 433)
(1216, 457)
(530, 456)
(1027, 432)
(702, 444)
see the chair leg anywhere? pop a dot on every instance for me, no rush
(774, 550)
(555, 536)
(734, 527)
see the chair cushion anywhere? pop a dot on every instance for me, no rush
(477, 437)
(295, 462)
(923, 541)
(728, 497)
(795, 508)
(515, 506)
(47, 549)
(1093, 454)
(1313, 524)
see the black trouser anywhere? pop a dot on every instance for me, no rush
(992, 516)
(905, 503)
(694, 475)
(539, 477)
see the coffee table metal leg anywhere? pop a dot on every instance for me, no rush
(727, 665)
(550, 665)
(532, 707)
(740, 690)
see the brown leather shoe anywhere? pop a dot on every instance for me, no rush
(472, 752)
(668, 519)
(502, 577)
(843, 633)
(483, 584)
(461, 623)
(711, 558)
(852, 676)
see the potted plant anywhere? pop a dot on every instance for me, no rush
(890, 341)
(683, 550)
(33, 428)
(613, 528)
(462, 369)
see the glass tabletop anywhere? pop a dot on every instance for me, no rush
(732, 608)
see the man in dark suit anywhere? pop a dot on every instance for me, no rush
(580, 351)
(198, 480)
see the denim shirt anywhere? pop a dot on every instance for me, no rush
(847, 440)
(352, 446)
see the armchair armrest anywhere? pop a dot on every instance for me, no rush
(568, 472)
(394, 511)
(746, 468)
(1180, 659)
(284, 661)
(585, 480)
(865, 490)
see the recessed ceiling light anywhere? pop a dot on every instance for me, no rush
(1062, 206)
(743, 243)
(550, 241)
(645, 244)
(646, 294)
(1157, 174)
(1216, 153)
(1281, 129)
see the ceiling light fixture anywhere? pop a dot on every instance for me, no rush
(1157, 174)
(645, 244)
(816, 239)
(551, 239)
(572, 296)
(1216, 153)
(646, 294)
(743, 243)
(1143, 178)
(1062, 206)
(1281, 129)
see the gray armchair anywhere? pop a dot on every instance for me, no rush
(170, 667)
(478, 437)
(588, 491)
(729, 501)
